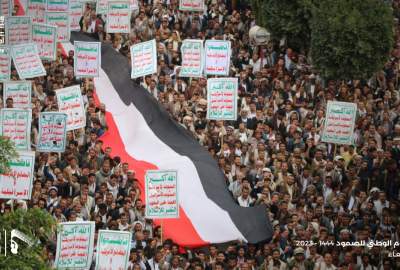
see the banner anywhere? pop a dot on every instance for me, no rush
(18, 30)
(20, 92)
(17, 182)
(75, 242)
(45, 37)
(27, 61)
(222, 98)
(57, 5)
(16, 125)
(87, 59)
(118, 17)
(191, 5)
(75, 15)
(61, 20)
(161, 192)
(37, 9)
(113, 249)
(6, 7)
(5, 63)
(218, 54)
(339, 122)
(143, 59)
(52, 132)
(192, 58)
(70, 101)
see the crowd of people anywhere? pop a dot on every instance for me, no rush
(316, 193)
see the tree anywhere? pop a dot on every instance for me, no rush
(38, 225)
(7, 152)
(285, 19)
(348, 39)
(351, 39)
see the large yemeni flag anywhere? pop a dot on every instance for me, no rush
(143, 134)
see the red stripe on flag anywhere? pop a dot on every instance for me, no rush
(180, 230)
(21, 10)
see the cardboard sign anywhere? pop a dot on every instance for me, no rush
(161, 193)
(27, 61)
(20, 92)
(87, 59)
(61, 20)
(102, 7)
(57, 5)
(5, 63)
(191, 5)
(75, 15)
(75, 242)
(45, 37)
(218, 55)
(17, 182)
(52, 132)
(37, 10)
(118, 17)
(222, 98)
(134, 5)
(18, 30)
(70, 102)
(339, 122)
(6, 7)
(16, 125)
(143, 59)
(192, 58)
(113, 249)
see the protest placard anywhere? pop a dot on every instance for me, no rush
(118, 17)
(5, 63)
(192, 58)
(161, 193)
(217, 54)
(37, 9)
(61, 20)
(52, 132)
(17, 182)
(222, 98)
(27, 61)
(16, 125)
(134, 4)
(339, 122)
(113, 249)
(75, 242)
(6, 7)
(191, 5)
(19, 91)
(70, 101)
(143, 59)
(75, 15)
(18, 30)
(87, 59)
(57, 5)
(45, 37)
(101, 6)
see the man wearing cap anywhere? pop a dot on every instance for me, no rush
(53, 199)
(298, 260)
(338, 173)
(381, 203)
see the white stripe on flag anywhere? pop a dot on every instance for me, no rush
(212, 223)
